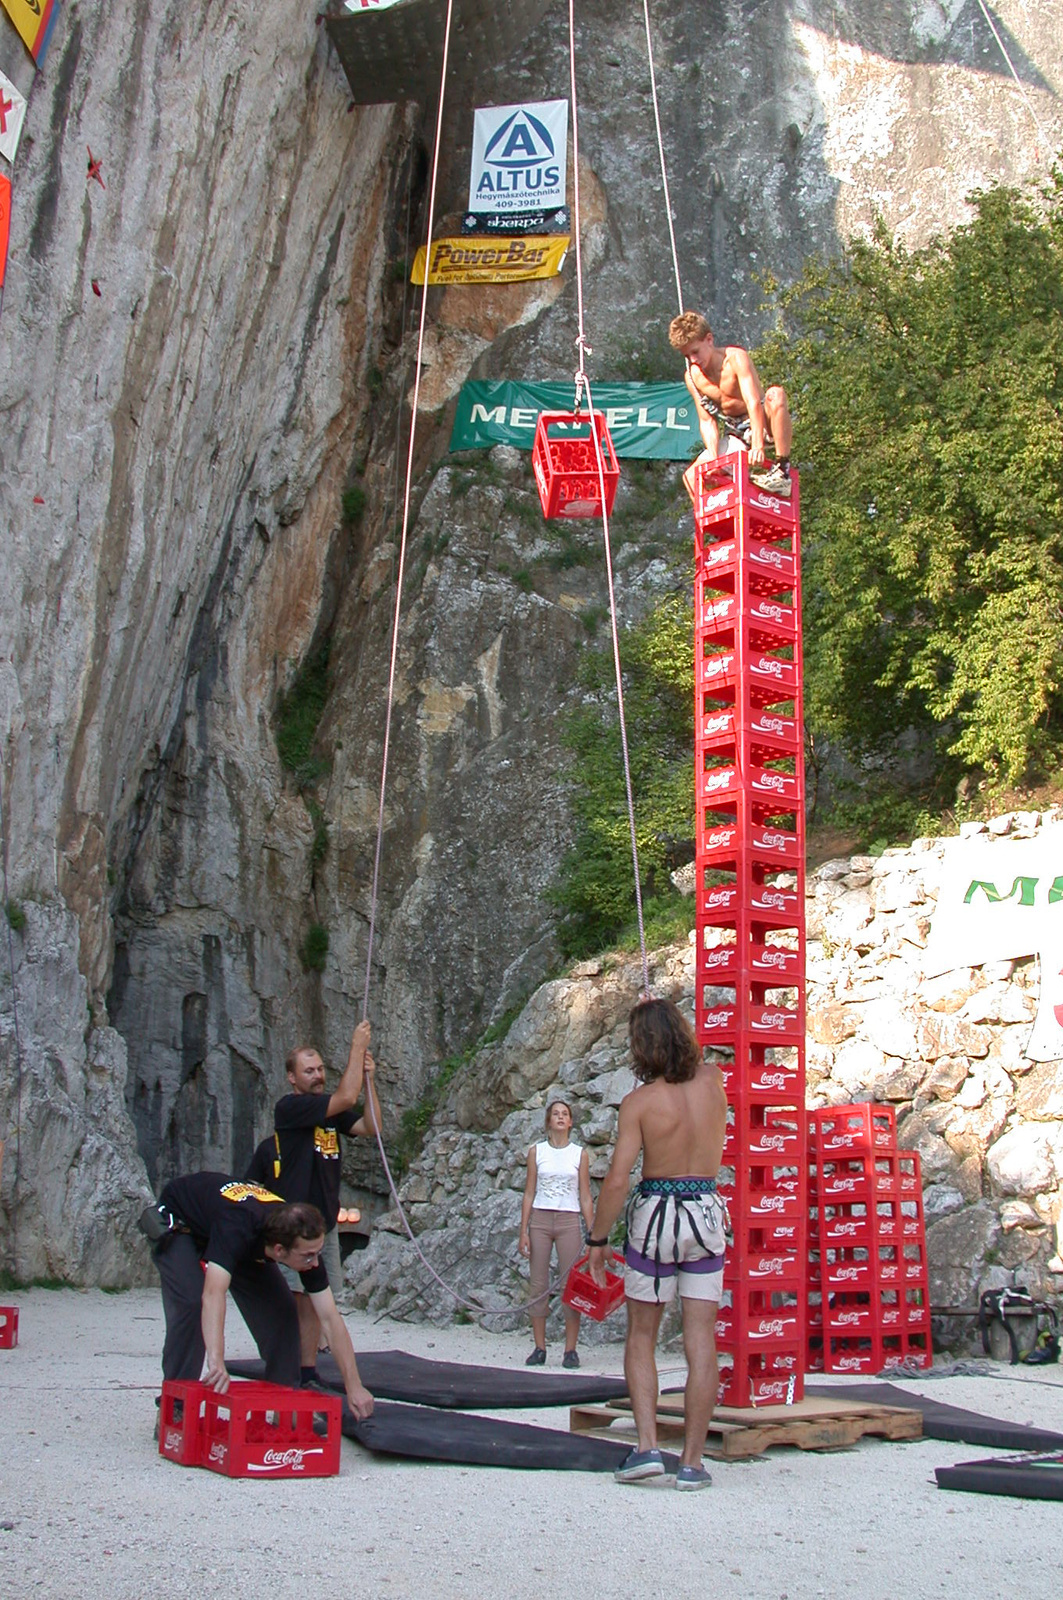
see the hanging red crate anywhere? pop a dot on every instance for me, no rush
(566, 465)
(8, 1327)
(583, 1294)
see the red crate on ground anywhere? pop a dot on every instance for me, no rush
(262, 1430)
(8, 1327)
(566, 465)
(181, 1422)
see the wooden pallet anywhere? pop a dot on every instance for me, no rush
(737, 1432)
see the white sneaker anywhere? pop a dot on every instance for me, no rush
(772, 480)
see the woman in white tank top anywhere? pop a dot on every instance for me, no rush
(557, 1191)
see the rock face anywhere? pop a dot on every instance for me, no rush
(203, 352)
(984, 1120)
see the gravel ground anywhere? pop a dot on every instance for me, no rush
(88, 1509)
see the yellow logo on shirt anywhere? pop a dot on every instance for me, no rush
(248, 1191)
(326, 1143)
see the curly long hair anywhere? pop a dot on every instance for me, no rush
(663, 1044)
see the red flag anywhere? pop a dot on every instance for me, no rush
(5, 223)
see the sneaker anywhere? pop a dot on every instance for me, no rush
(692, 1478)
(570, 1359)
(638, 1464)
(537, 1357)
(772, 480)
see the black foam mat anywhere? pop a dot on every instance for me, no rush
(425, 1433)
(454, 1385)
(1030, 1477)
(941, 1421)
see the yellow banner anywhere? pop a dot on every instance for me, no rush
(34, 20)
(492, 260)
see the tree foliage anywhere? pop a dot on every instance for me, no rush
(927, 388)
(596, 887)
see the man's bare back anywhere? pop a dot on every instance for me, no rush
(682, 1125)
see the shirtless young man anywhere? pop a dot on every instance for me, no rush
(724, 384)
(676, 1223)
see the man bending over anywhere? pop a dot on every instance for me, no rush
(677, 1119)
(726, 389)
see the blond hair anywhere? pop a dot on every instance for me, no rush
(684, 329)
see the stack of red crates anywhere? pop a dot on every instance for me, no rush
(868, 1294)
(750, 977)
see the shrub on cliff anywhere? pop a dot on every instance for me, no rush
(927, 388)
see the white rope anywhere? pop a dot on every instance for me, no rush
(660, 152)
(583, 383)
(1015, 75)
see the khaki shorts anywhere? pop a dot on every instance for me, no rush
(675, 1243)
(330, 1260)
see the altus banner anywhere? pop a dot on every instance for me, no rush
(519, 155)
(654, 421)
(472, 260)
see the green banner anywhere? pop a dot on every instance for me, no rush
(651, 420)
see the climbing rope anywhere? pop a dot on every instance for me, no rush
(1015, 75)
(660, 153)
(583, 385)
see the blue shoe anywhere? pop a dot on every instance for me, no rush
(637, 1465)
(537, 1357)
(692, 1478)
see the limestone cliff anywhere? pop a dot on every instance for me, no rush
(203, 351)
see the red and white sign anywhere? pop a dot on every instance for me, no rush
(12, 116)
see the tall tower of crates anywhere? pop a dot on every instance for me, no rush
(750, 975)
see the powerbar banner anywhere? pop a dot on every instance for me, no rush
(519, 155)
(1000, 900)
(34, 20)
(647, 420)
(492, 260)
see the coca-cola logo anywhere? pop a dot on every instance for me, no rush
(720, 779)
(720, 836)
(848, 1363)
(844, 1185)
(718, 897)
(769, 611)
(715, 666)
(772, 958)
(772, 1391)
(848, 1319)
(770, 725)
(774, 1141)
(293, 1457)
(785, 1363)
(890, 1317)
(218, 1451)
(773, 898)
(770, 1022)
(772, 1080)
(172, 1440)
(769, 502)
(718, 724)
(718, 957)
(847, 1274)
(768, 556)
(768, 664)
(772, 1327)
(713, 502)
(772, 1202)
(716, 1019)
(771, 1266)
(785, 1233)
(773, 841)
(773, 781)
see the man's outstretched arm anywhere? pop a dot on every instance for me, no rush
(349, 1087)
(339, 1341)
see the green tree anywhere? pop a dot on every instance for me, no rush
(596, 887)
(927, 388)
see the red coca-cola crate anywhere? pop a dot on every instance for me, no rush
(262, 1430)
(583, 1294)
(181, 1422)
(8, 1327)
(848, 1271)
(856, 1128)
(567, 468)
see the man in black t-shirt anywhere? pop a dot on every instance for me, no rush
(302, 1159)
(234, 1234)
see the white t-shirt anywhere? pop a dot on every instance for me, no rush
(557, 1176)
